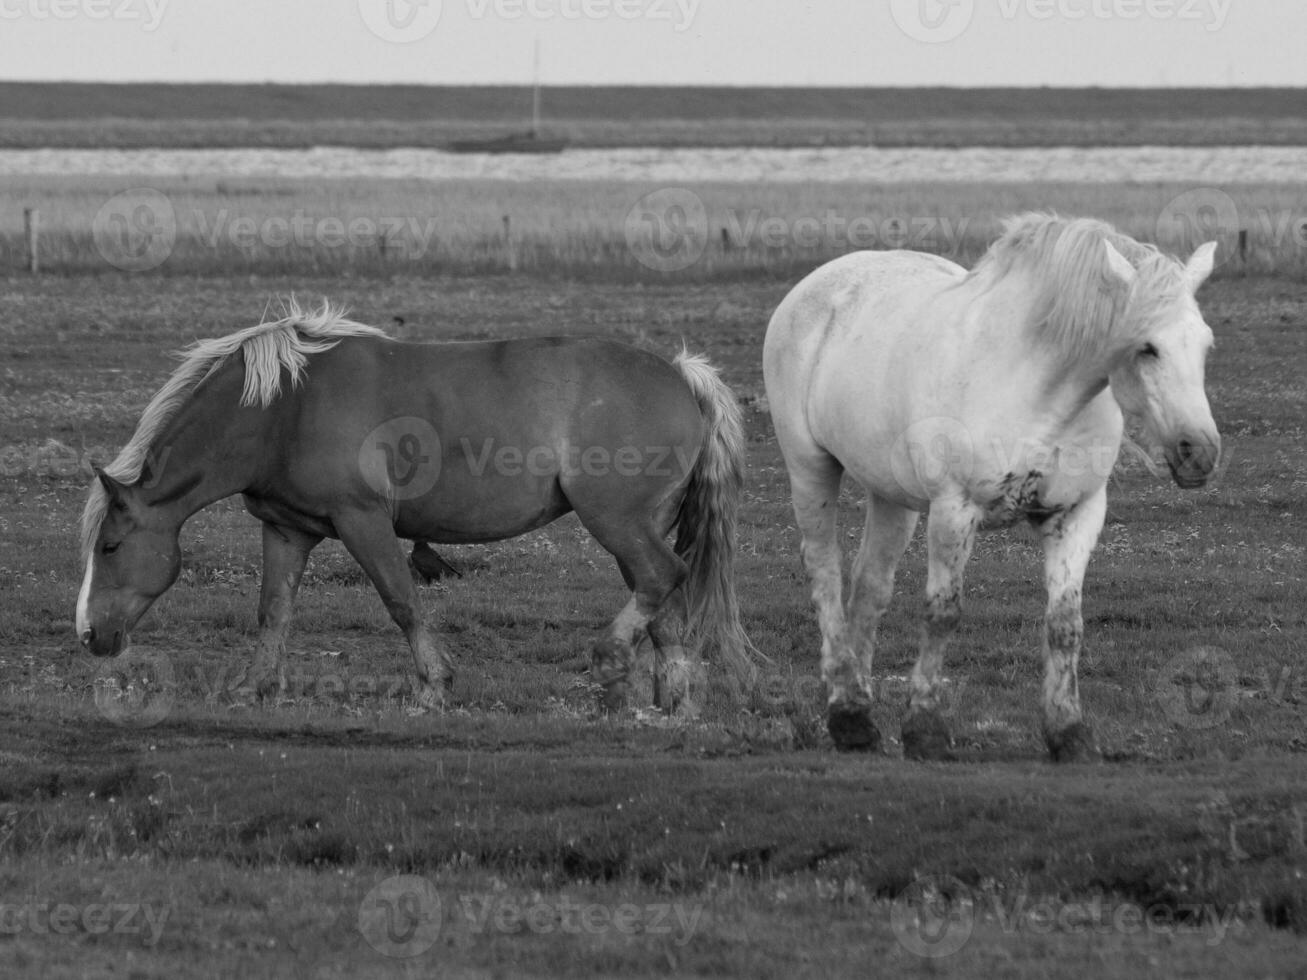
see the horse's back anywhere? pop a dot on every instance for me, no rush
(859, 291)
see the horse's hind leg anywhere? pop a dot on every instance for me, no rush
(679, 679)
(951, 531)
(815, 489)
(653, 571)
(888, 530)
(285, 554)
(1068, 541)
(371, 539)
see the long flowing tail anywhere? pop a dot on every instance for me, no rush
(705, 527)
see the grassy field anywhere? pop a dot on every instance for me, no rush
(68, 114)
(264, 842)
(597, 231)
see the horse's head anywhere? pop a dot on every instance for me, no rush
(1158, 379)
(134, 559)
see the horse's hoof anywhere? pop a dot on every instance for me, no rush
(926, 737)
(1075, 743)
(614, 695)
(429, 698)
(851, 728)
(678, 688)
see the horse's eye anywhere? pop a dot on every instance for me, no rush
(109, 549)
(1148, 350)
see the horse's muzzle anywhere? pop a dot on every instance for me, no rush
(1193, 461)
(102, 644)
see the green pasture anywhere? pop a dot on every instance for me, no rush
(259, 837)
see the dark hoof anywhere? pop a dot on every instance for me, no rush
(851, 728)
(1075, 743)
(615, 696)
(926, 737)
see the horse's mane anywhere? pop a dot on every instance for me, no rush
(1079, 305)
(267, 349)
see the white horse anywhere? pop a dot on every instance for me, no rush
(982, 399)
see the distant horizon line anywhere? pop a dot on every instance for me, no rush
(664, 85)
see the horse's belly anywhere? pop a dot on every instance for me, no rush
(501, 508)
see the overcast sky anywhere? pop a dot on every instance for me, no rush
(700, 42)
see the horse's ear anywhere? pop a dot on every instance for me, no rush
(1200, 264)
(1118, 265)
(115, 490)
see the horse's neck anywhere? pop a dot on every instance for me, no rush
(195, 459)
(1062, 382)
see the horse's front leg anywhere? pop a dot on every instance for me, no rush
(1068, 539)
(950, 533)
(370, 538)
(285, 554)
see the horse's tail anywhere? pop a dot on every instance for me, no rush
(705, 526)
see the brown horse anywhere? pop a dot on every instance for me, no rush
(329, 428)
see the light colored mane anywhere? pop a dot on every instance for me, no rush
(267, 349)
(1080, 308)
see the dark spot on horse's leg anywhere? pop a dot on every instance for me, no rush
(851, 727)
(926, 736)
(1075, 743)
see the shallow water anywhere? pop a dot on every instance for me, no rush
(1148, 164)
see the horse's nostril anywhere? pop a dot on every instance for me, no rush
(87, 636)
(1185, 449)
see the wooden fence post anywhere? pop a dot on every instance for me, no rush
(509, 251)
(32, 230)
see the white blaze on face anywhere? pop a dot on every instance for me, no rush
(84, 600)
